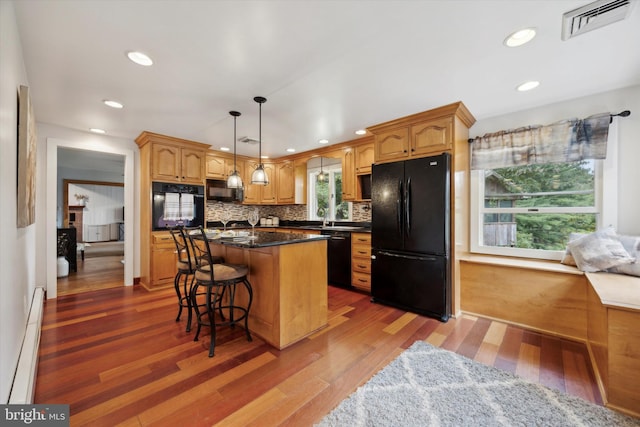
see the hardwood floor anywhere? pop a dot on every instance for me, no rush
(93, 273)
(118, 357)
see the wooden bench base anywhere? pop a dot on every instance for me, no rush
(600, 309)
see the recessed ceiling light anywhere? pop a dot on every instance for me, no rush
(225, 148)
(528, 86)
(520, 37)
(264, 157)
(112, 104)
(97, 130)
(140, 58)
(323, 141)
(361, 132)
(291, 150)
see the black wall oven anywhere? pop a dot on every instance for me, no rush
(177, 204)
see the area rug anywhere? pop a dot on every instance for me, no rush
(100, 249)
(429, 386)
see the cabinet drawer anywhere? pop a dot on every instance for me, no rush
(361, 280)
(361, 238)
(361, 251)
(163, 240)
(361, 265)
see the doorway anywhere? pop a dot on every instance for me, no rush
(93, 218)
(54, 205)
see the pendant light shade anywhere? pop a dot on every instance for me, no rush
(259, 176)
(234, 180)
(322, 177)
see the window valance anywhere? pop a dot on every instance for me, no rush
(563, 141)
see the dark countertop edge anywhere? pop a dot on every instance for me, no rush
(293, 240)
(303, 225)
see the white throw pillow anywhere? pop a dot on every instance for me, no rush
(568, 257)
(632, 246)
(599, 251)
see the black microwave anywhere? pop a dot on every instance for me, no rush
(217, 190)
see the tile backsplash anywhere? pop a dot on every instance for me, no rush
(361, 211)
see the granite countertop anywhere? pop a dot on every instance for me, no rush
(265, 239)
(357, 227)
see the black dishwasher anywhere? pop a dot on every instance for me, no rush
(338, 257)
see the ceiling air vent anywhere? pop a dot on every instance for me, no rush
(248, 140)
(594, 15)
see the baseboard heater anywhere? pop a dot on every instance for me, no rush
(24, 381)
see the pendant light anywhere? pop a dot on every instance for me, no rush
(322, 177)
(234, 180)
(259, 176)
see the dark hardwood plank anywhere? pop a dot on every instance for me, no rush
(118, 356)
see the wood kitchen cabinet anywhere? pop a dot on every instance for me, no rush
(364, 158)
(431, 137)
(221, 167)
(361, 261)
(286, 183)
(216, 167)
(173, 163)
(300, 181)
(260, 194)
(419, 135)
(392, 145)
(348, 174)
(163, 159)
(163, 259)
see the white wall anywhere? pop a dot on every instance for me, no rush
(17, 263)
(628, 149)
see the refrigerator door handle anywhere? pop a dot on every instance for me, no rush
(412, 257)
(407, 206)
(399, 207)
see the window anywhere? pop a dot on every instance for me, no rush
(325, 195)
(530, 211)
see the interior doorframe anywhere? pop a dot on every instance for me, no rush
(51, 207)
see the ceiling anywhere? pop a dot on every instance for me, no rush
(327, 68)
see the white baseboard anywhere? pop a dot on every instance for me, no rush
(24, 381)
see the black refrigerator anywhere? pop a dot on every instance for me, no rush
(410, 227)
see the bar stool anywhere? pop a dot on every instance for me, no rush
(221, 282)
(186, 266)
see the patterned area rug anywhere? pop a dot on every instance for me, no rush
(429, 386)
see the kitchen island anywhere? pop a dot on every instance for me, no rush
(288, 274)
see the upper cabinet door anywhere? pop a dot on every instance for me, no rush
(364, 158)
(434, 136)
(392, 145)
(286, 183)
(166, 163)
(270, 191)
(216, 167)
(348, 175)
(192, 166)
(174, 164)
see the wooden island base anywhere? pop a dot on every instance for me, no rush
(289, 288)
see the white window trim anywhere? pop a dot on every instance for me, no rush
(606, 188)
(311, 205)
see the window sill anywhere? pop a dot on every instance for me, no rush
(541, 265)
